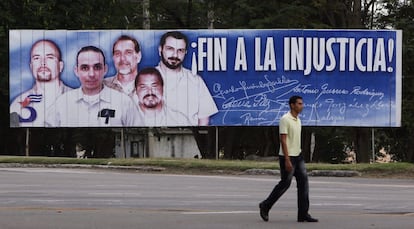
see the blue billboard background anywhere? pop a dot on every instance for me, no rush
(252, 73)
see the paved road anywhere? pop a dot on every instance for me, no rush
(80, 198)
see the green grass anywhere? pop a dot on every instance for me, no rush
(390, 169)
(162, 162)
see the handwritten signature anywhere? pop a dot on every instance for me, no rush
(265, 101)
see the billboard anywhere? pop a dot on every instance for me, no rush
(137, 78)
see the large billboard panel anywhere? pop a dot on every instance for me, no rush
(137, 78)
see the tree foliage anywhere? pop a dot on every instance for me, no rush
(400, 15)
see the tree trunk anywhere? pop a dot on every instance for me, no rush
(306, 143)
(362, 135)
(210, 15)
(271, 141)
(229, 142)
(189, 13)
(146, 23)
(410, 153)
(200, 140)
(211, 143)
(355, 20)
(362, 144)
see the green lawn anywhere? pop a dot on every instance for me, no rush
(392, 169)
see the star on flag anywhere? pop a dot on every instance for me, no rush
(31, 98)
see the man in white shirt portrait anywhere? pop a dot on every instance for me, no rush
(184, 91)
(46, 65)
(126, 53)
(149, 97)
(93, 104)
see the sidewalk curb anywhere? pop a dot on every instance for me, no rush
(334, 173)
(261, 172)
(84, 166)
(321, 173)
(144, 168)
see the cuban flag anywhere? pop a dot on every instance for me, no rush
(32, 98)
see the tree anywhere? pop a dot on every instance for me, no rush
(400, 15)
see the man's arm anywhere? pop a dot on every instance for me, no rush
(288, 163)
(206, 107)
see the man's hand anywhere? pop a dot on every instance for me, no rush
(288, 165)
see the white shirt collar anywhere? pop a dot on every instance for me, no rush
(104, 94)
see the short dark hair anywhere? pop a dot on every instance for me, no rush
(52, 43)
(175, 34)
(149, 71)
(127, 38)
(294, 99)
(90, 48)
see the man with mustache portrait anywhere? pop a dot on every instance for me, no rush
(184, 91)
(150, 100)
(46, 66)
(126, 56)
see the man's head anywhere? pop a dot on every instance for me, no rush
(91, 68)
(172, 49)
(46, 61)
(149, 88)
(126, 55)
(296, 104)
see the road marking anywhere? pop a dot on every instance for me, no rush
(218, 212)
(49, 170)
(224, 177)
(117, 185)
(343, 197)
(115, 194)
(362, 184)
(272, 179)
(325, 197)
(47, 208)
(265, 179)
(335, 204)
(220, 195)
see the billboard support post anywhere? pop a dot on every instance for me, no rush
(373, 144)
(217, 143)
(27, 142)
(123, 143)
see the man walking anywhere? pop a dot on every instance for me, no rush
(291, 163)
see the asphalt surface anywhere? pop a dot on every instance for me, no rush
(81, 198)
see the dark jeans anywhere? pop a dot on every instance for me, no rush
(299, 171)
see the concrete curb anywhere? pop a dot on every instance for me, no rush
(271, 172)
(261, 172)
(334, 173)
(322, 173)
(84, 166)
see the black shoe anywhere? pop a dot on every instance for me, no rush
(308, 218)
(264, 212)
